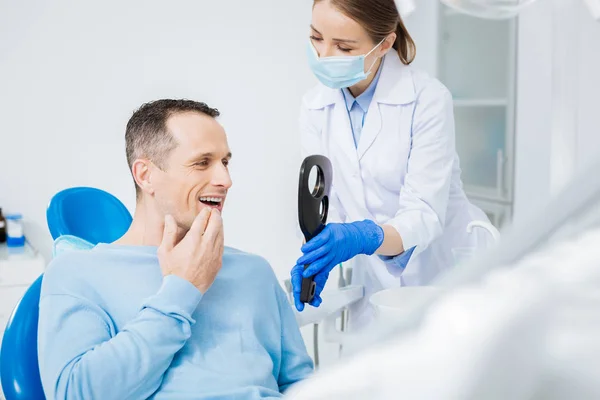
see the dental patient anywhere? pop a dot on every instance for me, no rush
(166, 311)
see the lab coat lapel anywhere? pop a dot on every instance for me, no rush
(347, 179)
(395, 87)
(342, 131)
(371, 128)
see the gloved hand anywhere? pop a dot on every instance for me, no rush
(335, 244)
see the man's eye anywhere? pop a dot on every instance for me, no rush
(225, 162)
(202, 164)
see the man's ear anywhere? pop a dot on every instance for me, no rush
(142, 173)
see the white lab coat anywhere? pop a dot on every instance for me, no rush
(404, 172)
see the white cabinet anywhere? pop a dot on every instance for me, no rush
(18, 270)
(476, 61)
(498, 213)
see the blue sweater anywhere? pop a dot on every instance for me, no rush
(111, 327)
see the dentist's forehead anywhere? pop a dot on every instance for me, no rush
(332, 23)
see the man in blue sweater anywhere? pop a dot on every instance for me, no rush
(166, 311)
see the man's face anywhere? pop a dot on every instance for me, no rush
(195, 173)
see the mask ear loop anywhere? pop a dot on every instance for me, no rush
(372, 50)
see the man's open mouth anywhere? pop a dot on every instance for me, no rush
(212, 201)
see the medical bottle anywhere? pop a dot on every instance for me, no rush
(14, 230)
(2, 228)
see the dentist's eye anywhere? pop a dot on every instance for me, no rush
(315, 38)
(342, 49)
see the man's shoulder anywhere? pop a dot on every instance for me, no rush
(68, 272)
(239, 255)
(259, 264)
(68, 262)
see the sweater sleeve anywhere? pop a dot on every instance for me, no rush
(81, 357)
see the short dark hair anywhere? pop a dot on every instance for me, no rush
(147, 135)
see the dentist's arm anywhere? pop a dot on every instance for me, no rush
(392, 244)
(424, 196)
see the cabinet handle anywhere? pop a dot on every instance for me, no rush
(500, 173)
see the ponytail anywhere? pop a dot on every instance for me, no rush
(404, 44)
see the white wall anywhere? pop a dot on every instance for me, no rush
(423, 27)
(537, 161)
(72, 73)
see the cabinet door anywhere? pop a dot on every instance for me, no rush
(481, 145)
(477, 63)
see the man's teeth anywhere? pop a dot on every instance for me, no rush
(211, 199)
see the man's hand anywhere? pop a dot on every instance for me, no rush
(197, 257)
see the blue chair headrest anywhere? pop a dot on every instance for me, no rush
(88, 213)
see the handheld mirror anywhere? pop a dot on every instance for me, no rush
(313, 205)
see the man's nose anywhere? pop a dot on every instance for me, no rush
(221, 177)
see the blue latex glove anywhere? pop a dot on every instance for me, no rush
(335, 244)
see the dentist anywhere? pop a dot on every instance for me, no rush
(397, 205)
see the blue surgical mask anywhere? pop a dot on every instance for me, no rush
(340, 71)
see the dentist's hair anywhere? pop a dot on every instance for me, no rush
(147, 136)
(379, 18)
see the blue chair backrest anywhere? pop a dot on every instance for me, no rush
(88, 213)
(18, 357)
(77, 218)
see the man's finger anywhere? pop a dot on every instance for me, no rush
(214, 226)
(220, 242)
(169, 239)
(199, 225)
(221, 235)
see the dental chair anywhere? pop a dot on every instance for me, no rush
(87, 213)
(18, 358)
(78, 217)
